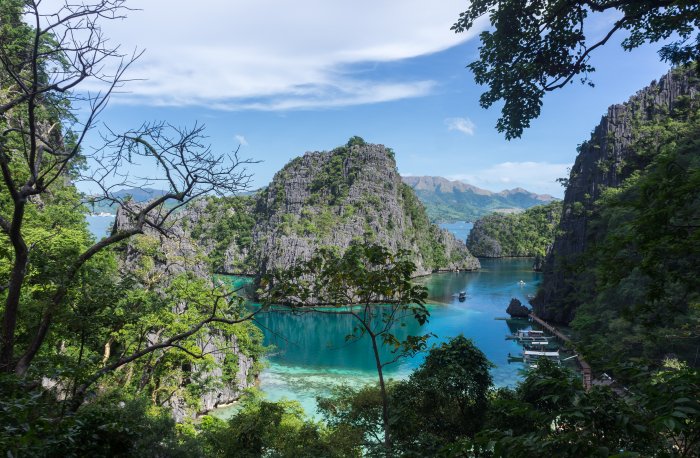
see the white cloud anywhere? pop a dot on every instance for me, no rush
(241, 140)
(464, 125)
(539, 177)
(276, 54)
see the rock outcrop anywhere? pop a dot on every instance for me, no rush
(516, 309)
(351, 193)
(177, 253)
(604, 161)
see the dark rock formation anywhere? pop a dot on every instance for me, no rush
(538, 264)
(604, 161)
(517, 310)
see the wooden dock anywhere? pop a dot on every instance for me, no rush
(586, 373)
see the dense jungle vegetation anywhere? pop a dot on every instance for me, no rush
(638, 283)
(105, 341)
(529, 233)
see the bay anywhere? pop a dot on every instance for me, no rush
(99, 226)
(311, 354)
(460, 229)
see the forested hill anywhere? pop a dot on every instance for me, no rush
(321, 199)
(530, 233)
(627, 253)
(447, 200)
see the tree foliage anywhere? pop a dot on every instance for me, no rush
(367, 282)
(547, 414)
(530, 233)
(644, 258)
(443, 400)
(79, 330)
(275, 429)
(536, 46)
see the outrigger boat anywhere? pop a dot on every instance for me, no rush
(540, 345)
(514, 358)
(530, 356)
(530, 335)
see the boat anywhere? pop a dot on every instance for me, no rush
(514, 358)
(540, 345)
(521, 283)
(530, 356)
(530, 335)
(462, 296)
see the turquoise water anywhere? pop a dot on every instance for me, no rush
(459, 228)
(99, 225)
(311, 355)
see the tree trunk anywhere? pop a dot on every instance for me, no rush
(107, 352)
(14, 290)
(385, 398)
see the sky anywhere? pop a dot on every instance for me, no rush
(279, 78)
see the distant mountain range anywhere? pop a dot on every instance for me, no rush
(447, 200)
(444, 200)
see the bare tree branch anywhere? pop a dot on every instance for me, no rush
(66, 48)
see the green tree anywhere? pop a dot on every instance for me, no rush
(46, 250)
(549, 413)
(358, 413)
(275, 429)
(537, 46)
(644, 255)
(367, 282)
(444, 400)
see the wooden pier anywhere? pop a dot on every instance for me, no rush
(585, 367)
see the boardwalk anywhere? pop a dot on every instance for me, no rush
(585, 367)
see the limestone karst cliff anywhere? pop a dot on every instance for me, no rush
(604, 161)
(324, 199)
(351, 193)
(154, 260)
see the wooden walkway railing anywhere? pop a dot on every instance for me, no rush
(586, 373)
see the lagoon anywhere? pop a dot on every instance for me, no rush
(99, 226)
(311, 355)
(460, 229)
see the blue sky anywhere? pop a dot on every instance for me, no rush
(281, 78)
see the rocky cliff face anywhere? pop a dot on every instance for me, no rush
(606, 160)
(177, 253)
(350, 193)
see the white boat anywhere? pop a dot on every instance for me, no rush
(534, 355)
(529, 334)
